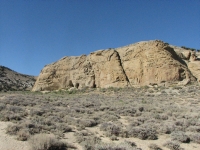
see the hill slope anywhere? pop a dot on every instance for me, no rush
(11, 80)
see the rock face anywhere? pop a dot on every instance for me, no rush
(108, 70)
(11, 80)
(153, 62)
(67, 72)
(192, 59)
(143, 63)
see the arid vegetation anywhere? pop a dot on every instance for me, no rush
(105, 119)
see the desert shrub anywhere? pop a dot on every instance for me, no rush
(10, 116)
(121, 146)
(142, 133)
(194, 121)
(142, 119)
(130, 143)
(154, 147)
(173, 145)
(79, 110)
(180, 136)
(114, 138)
(37, 112)
(109, 116)
(31, 127)
(135, 123)
(88, 104)
(183, 123)
(87, 139)
(150, 126)
(18, 116)
(63, 128)
(163, 117)
(23, 130)
(103, 108)
(23, 135)
(111, 129)
(13, 129)
(127, 111)
(16, 102)
(194, 129)
(166, 129)
(141, 109)
(195, 138)
(15, 109)
(82, 136)
(46, 142)
(2, 106)
(90, 142)
(87, 122)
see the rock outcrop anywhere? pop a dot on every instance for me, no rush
(142, 63)
(191, 58)
(153, 62)
(12, 81)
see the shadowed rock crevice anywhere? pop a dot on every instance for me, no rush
(174, 55)
(107, 69)
(128, 82)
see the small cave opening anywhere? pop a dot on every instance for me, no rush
(182, 75)
(77, 85)
(70, 83)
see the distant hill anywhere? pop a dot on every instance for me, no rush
(139, 64)
(12, 80)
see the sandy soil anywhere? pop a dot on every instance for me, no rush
(8, 142)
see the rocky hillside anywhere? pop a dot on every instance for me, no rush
(139, 64)
(11, 80)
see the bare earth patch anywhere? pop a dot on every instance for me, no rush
(8, 142)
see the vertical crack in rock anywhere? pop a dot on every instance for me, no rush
(120, 62)
(109, 58)
(92, 76)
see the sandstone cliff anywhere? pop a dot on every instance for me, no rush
(142, 63)
(11, 80)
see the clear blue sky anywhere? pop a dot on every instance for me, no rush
(34, 33)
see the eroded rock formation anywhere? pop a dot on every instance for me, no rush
(142, 63)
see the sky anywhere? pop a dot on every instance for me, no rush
(34, 33)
